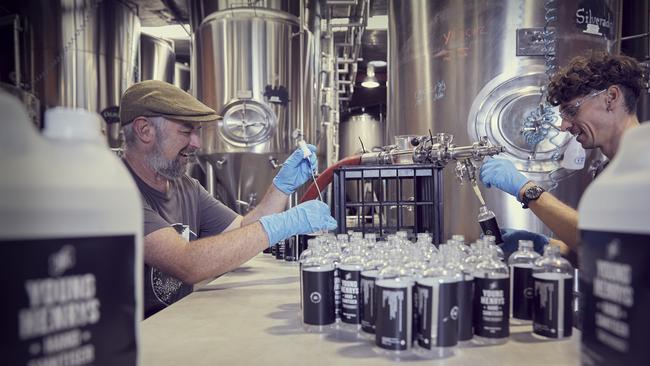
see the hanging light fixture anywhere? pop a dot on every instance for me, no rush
(370, 80)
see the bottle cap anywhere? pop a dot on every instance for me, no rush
(72, 124)
(526, 244)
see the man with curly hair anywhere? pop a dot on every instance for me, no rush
(597, 96)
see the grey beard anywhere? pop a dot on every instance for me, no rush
(170, 169)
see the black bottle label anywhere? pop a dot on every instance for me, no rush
(521, 291)
(491, 309)
(368, 301)
(491, 227)
(615, 282)
(553, 305)
(318, 296)
(69, 301)
(466, 308)
(437, 313)
(394, 313)
(350, 309)
(337, 293)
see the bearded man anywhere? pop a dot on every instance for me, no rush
(189, 236)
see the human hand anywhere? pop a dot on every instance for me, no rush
(306, 218)
(502, 174)
(511, 239)
(296, 170)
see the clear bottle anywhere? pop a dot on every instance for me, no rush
(394, 311)
(553, 298)
(333, 254)
(488, 221)
(521, 283)
(317, 291)
(491, 300)
(465, 295)
(313, 247)
(436, 300)
(350, 270)
(373, 263)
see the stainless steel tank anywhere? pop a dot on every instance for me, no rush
(365, 126)
(157, 58)
(182, 76)
(475, 68)
(370, 129)
(84, 54)
(246, 67)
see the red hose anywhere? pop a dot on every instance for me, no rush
(325, 177)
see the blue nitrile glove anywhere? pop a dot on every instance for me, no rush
(502, 174)
(306, 218)
(295, 171)
(511, 239)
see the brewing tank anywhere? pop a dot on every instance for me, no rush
(83, 53)
(255, 86)
(477, 68)
(353, 130)
(157, 58)
(182, 76)
(362, 126)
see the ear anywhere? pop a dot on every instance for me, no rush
(615, 97)
(144, 130)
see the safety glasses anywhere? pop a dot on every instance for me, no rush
(571, 111)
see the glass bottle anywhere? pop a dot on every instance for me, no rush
(436, 302)
(521, 283)
(373, 263)
(394, 308)
(317, 291)
(491, 299)
(350, 273)
(553, 297)
(489, 225)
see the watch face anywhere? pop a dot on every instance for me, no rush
(533, 192)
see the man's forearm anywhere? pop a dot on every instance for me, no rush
(195, 261)
(560, 218)
(274, 201)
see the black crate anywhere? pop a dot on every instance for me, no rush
(383, 199)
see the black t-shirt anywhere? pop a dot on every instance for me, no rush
(194, 213)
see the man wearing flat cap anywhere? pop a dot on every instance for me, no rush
(189, 236)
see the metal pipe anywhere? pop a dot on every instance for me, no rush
(642, 35)
(17, 51)
(342, 2)
(209, 179)
(302, 65)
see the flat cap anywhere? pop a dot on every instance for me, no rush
(155, 98)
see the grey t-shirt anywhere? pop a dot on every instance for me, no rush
(194, 213)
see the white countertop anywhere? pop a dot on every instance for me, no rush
(250, 317)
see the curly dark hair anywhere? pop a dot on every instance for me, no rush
(598, 71)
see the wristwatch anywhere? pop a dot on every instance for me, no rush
(530, 194)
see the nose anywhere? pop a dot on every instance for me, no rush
(195, 139)
(565, 125)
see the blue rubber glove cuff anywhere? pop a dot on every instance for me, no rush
(511, 240)
(502, 174)
(296, 170)
(306, 218)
